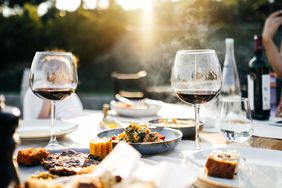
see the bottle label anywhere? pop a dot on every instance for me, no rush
(251, 92)
(265, 91)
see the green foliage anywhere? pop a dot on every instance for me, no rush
(18, 33)
(86, 33)
(190, 24)
(12, 3)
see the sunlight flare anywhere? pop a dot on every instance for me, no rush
(147, 22)
(132, 4)
(69, 5)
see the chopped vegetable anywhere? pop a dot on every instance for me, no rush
(136, 133)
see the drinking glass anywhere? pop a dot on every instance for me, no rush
(53, 77)
(235, 120)
(196, 79)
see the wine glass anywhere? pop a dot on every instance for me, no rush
(196, 79)
(53, 77)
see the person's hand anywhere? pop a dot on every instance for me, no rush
(271, 25)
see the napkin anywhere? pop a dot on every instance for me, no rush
(260, 175)
(121, 161)
(172, 175)
(125, 161)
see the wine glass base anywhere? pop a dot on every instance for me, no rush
(197, 147)
(188, 162)
(54, 146)
(185, 161)
(238, 144)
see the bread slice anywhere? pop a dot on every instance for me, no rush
(222, 164)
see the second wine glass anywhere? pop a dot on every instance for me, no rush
(53, 77)
(196, 79)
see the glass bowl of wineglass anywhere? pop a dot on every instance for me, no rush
(196, 79)
(53, 77)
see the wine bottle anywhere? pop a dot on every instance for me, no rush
(259, 83)
(231, 82)
(9, 119)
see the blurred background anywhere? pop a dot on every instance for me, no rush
(124, 36)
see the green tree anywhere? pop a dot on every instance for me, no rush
(19, 34)
(21, 3)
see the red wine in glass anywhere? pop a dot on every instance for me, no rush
(196, 97)
(54, 94)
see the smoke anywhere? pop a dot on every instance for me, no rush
(192, 28)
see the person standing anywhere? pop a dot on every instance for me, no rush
(274, 55)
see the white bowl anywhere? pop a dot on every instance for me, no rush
(139, 109)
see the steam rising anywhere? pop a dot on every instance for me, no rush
(192, 28)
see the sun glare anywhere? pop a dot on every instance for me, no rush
(43, 8)
(70, 5)
(133, 4)
(147, 21)
(93, 4)
(89, 4)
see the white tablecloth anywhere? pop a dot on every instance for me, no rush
(89, 127)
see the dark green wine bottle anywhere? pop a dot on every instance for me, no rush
(9, 118)
(259, 83)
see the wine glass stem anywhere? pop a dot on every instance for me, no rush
(197, 137)
(53, 139)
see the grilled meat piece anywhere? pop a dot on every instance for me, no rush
(68, 162)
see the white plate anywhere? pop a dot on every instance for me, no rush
(151, 108)
(40, 129)
(276, 123)
(257, 168)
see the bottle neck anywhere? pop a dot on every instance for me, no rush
(231, 82)
(258, 54)
(258, 47)
(229, 53)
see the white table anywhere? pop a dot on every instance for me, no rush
(89, 126)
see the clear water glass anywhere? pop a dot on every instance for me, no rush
(235, 120)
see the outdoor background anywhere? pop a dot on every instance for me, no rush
(125, 35)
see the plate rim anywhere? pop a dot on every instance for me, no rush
(202, 123)
(202, 177)
(135, 112)
(72, 127)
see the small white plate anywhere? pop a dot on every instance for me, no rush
(150, 108)
(276, 123)
(40, 129)
(257, 168)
